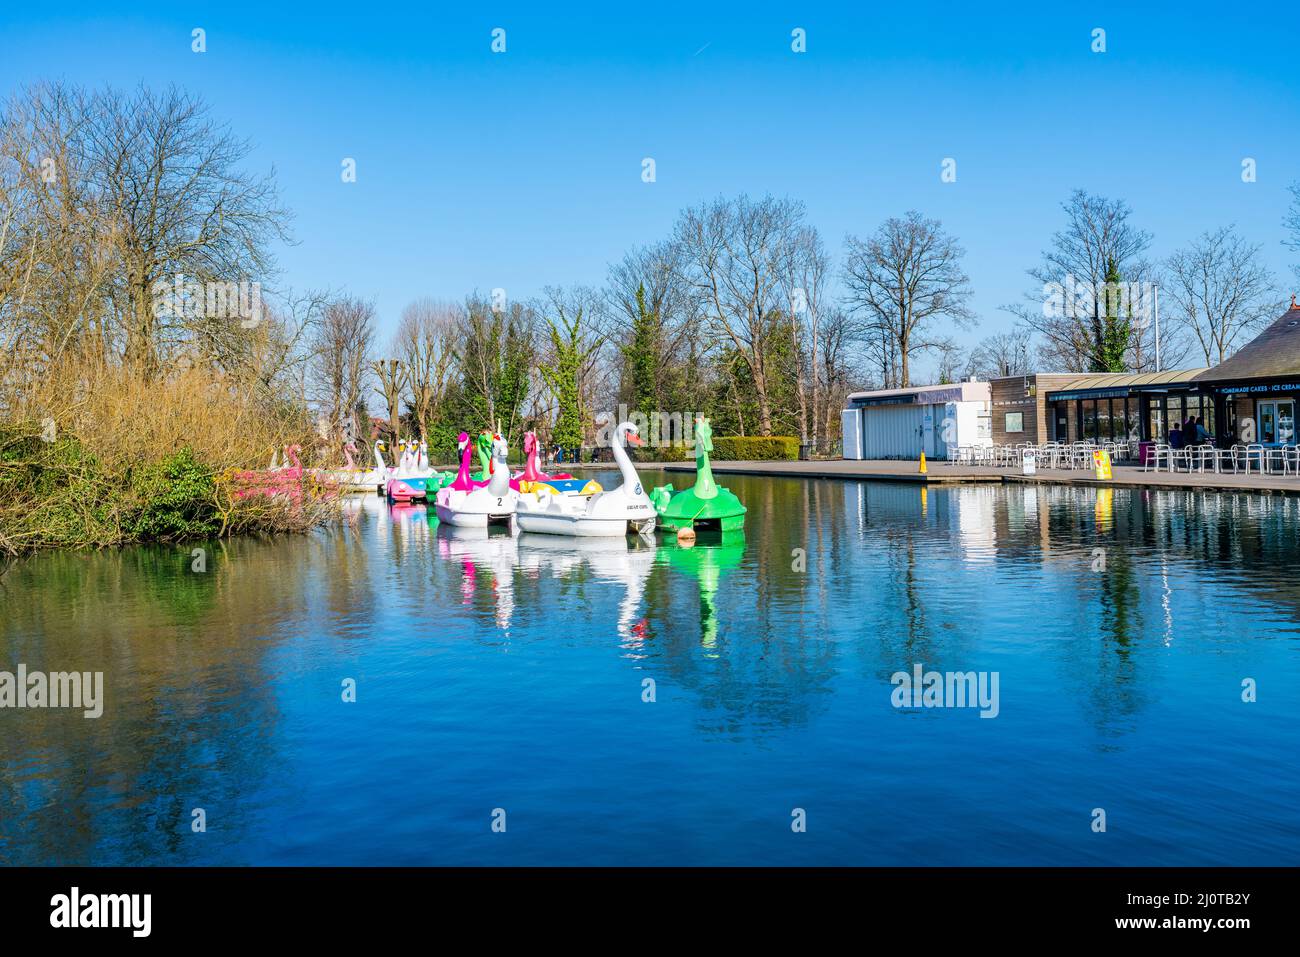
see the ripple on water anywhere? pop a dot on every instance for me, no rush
(515, 673)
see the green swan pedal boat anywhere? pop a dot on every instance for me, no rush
(705, 505)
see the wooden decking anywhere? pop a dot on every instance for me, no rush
(943, 473)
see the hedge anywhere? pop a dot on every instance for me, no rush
(727, 447)
(669, 453)
(737, 447)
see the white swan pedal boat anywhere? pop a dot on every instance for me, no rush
(490, 504)
(625, 510)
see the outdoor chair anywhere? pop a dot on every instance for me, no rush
(1198, 456)
(1257, 452)
(1273, 460)
(1291, 459)
(1226, 457)
(1282, 460)
(1160, 453)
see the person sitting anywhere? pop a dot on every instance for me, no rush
(1176, 437)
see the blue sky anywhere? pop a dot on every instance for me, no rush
(520, 170)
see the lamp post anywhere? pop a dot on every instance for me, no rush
(1155, 306)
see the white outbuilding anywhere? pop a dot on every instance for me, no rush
(903, 423)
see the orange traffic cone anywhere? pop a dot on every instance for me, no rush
(922, 469)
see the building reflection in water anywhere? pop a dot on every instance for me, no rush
(1094, 602)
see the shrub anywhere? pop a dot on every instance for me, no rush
(62, 495)
(669, 453)
(144, 460)
(174, 498)
(746, 447)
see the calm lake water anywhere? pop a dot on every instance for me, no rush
(499, 672)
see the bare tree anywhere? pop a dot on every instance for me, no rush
(656, 269)
(803, 278)
(171, 184)
(392, 376)
(426, 341)
(276, 353)
(1002, 354)
(1220, 291)
(954, 363)
(655, 329)
(841, 340)
(574, 363)
(902, 280)
(58, 251)
(1068, 307)
(732, 257)
(1292, 223)
(106, 199)
(343, 344)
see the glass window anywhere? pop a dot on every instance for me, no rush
(1103, 420)
(1191, 408)
(1156, 417)
(1015, 422)
(1286, 422)
(1267, 422)
(1089, 419)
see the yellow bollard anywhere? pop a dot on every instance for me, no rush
(922, 468)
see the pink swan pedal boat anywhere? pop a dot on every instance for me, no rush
(532, 479)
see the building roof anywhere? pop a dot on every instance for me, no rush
(1101, 384)
(1274, 352)
(1128, 380)
(924, 394)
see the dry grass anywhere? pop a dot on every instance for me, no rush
(127, 420)
(115, 434)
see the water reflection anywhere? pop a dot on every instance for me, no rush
(1120, 620)
(713, 554)
(621, 561)
(487, 559)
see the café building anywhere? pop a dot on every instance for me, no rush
(1255, 391)
(1098, 407)
(1251, 397)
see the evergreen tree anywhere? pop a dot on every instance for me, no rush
(1115, 330)
(496, 361)
(563, 376)
(642, 356)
